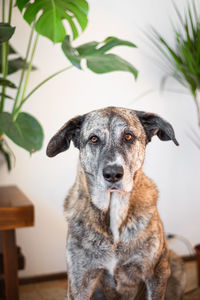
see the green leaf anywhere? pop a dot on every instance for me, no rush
(112, 41)
(6, 96)
(14, 65)
(109, 63)
(26, 131)
(8, 83)
(17, 64)
(32, 10)
(52, 13)
(198, 49)
(21, 4)
(196, 15)
(71, 22)
(44, 26)
(6, 156)
(183, 59)
(88, 48)
(71, 53)
(191, 22)
(96, 57)
(80, 15)
(7, 153)
(6, 32)
(155, 39)
(178, 14)
(82, 4)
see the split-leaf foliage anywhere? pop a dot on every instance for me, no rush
(46, 18)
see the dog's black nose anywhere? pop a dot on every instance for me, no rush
(113, 173)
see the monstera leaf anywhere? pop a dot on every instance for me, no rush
(26, 131)
(6, 32)
(52, 14)
(97, 58)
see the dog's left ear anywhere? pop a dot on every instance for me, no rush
(61, 140)
(155, 125)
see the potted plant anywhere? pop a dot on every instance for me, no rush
(46, 18)
(183, 59)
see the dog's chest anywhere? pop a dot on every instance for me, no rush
(110, 264)
(118, 211)
(119, 203)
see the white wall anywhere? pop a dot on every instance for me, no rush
(176, 170)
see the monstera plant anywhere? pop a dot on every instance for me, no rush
(45, 18)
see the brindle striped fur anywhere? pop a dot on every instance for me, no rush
(115, 239)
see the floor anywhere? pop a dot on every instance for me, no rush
(56, 290)
(51, 290)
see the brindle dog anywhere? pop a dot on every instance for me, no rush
(115, 237)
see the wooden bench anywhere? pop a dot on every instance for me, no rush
(16, 211)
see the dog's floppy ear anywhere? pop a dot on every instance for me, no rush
(61, 140)
(155, 125)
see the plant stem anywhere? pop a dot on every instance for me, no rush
(24, 68)
(197, 107)
(10, 11)
(45, 80)
(3, 58)
(4, 71)
(40, 84)
(5, 50)
(3, 11)
(29, 67)
(27, 78)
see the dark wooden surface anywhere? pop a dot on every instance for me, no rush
(16, 210)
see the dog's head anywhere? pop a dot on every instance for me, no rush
(112, 144)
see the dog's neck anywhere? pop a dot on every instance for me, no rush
(112, 210)
(113, 214)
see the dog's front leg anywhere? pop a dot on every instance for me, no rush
(81, 285)
(83, 266)
(156, 284)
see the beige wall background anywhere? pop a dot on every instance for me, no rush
(176, 170)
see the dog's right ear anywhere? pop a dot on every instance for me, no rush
(61, 140)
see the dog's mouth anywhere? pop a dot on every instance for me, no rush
(115, 188)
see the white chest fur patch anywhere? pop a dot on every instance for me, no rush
(101, 199)
(111, 264)
(119, 203)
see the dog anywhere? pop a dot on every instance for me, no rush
(115, 240)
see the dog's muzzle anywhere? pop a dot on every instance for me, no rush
(113, 173)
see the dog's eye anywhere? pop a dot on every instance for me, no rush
(128, 137)
(94, 139)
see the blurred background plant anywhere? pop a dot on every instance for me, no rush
(182, 61)
(46, 18)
